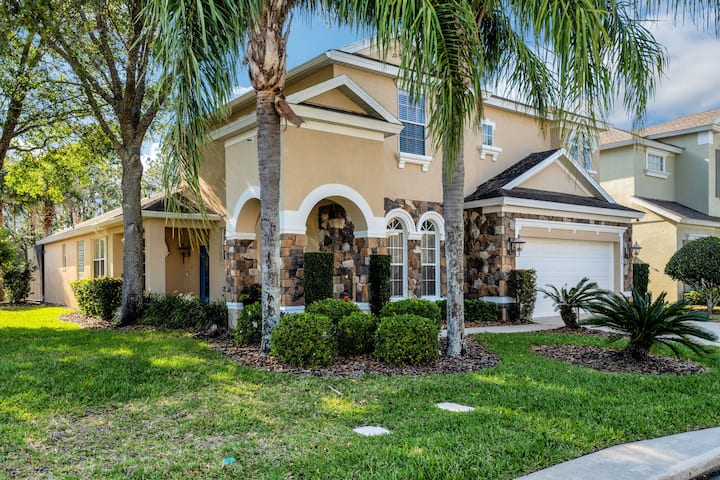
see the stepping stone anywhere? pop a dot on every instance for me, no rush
(370, 431)
(454, 407)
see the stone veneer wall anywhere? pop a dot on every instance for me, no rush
(416, 208)
(240, 267)
(488, 263)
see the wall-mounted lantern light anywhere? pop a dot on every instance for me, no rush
(516, 245)
(636, 249)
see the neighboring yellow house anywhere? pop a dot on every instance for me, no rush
(670, 171)
(173, 263)
(360, 177)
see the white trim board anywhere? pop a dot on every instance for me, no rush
(553, 206)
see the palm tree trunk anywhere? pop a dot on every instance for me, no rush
(268, 125)
(133, 251)
(453, 202)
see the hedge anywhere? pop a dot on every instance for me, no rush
(407, 339)
(379, 278)
(304, 340)
(183, 310)
(523, 285)
(475, 310)
(318, 276)
(98, 297)
(641, 277)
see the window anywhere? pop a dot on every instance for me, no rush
(581, 150)
(655, 162)
(81, 259)
(99, 258)
(64, 256)
(396, 250)
(412, 115)
(429, 259)
(488, 130)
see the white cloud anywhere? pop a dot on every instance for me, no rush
(690, 82)
(240, 90)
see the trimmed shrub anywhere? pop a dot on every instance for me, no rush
(475, 310)
(522, 285)
(183, 310)
(98, 297)
(356, 334)
(249, 325)
(333, 309)
(697, 263)
(412, 306)
(318, 277)
(304, 340)
(695, 297)
(407, 339)
(641, 277)
(379, 279)
(17, 283)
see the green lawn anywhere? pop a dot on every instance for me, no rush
(103, 404)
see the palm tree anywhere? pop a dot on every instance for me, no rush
(569, 55)
(646, 323)
(569, 302)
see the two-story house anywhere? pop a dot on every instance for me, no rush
(360, 177)
(671, 172)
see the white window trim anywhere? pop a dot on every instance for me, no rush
(406, 235)
(64, 256)
(489, 150)
(80, 268)
(436, 264)
(424, 125)
(104, 257)
(651, 172)
(423, 160)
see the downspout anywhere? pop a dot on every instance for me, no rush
(40, 255)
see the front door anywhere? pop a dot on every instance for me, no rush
(204, 273)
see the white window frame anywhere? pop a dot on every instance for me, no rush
(435, 232)
(393, 230)
(80, 250)
(100, 262)
(582, 153)
(488, 149)
(64, 256)
(404, 158)
(654, 172)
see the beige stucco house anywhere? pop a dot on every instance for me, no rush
(671, 172)
(174, 262)
(360, 177)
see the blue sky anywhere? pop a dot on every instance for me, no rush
(690, 83)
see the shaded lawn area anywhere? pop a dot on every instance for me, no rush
(104, 404)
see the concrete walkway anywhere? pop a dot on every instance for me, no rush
(681, 456)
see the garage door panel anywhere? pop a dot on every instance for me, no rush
(566, 262)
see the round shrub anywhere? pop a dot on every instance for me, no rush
(334, 309)
(304, 340)
(412, 306)
(98, 297)
(356, 334)
(407, 339)
(249, 325)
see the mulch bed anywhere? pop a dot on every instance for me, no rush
(86, 322)
(611, 360)
(475, 358)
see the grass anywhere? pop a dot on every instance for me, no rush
(105, 404)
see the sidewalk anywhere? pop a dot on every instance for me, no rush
(681, 456)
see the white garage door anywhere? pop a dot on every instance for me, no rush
(566, 262)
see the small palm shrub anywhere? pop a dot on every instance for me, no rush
(647, 322)
(569, 302)
(407, 339)
(412, 306)
(248, 330)
(332, 308)
(356, 334)
(304, 340)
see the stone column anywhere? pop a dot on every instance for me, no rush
(240, 267)
(292, 248)
(364, 248)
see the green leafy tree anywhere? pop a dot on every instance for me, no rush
(646, 322)
(107, 50)
(697, 263)
(569, 301)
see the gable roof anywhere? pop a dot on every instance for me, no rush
(153, 206)
(693, 122)
(615, 137)
(675, 211)
(507, 184)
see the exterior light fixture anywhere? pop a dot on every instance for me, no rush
(636, 249)
(516, 245)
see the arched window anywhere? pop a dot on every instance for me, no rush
(398, 257)
(429, 259)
